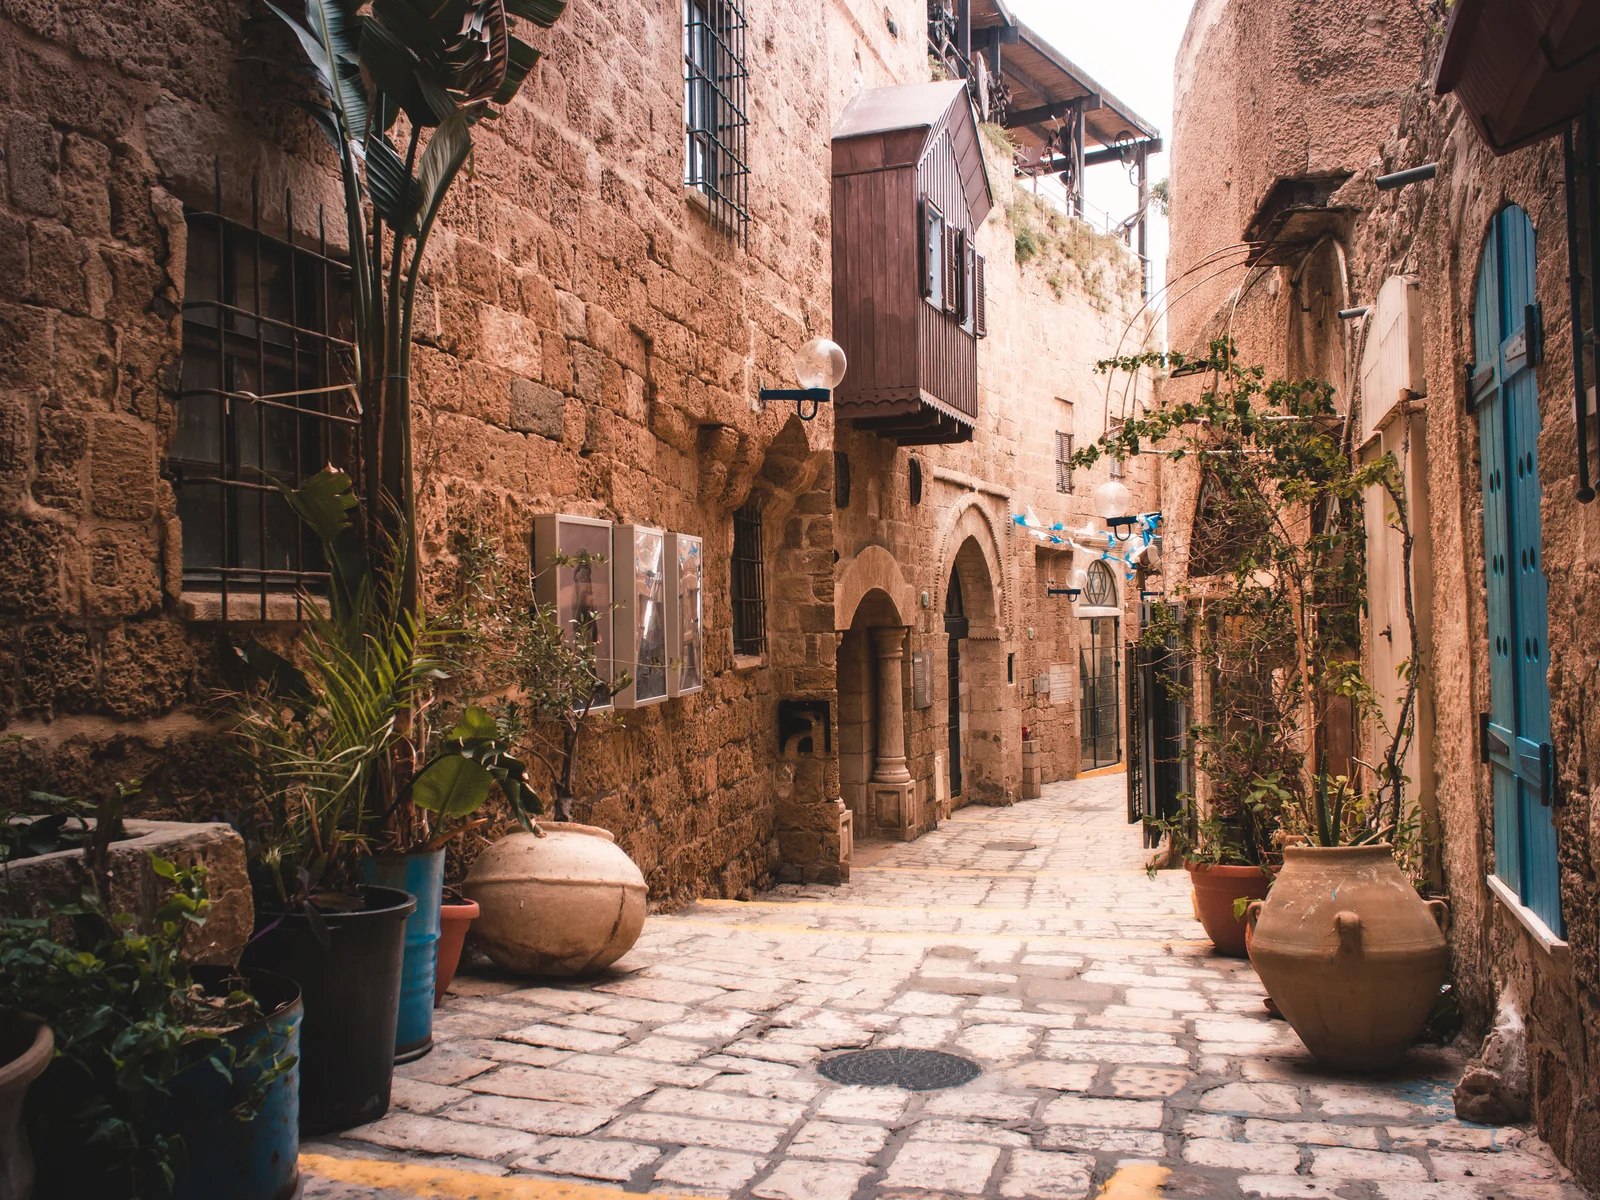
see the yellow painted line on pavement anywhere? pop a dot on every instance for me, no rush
(776, 905)
(1141, 1181)
(441, 1183)
(998, 874)
(939, 934)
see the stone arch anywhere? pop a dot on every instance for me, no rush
(971, 522)
(978, 743)
(874, 569)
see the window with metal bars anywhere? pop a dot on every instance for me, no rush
(1063, 462)
(716, 127)
(748, 582)
(263, 400)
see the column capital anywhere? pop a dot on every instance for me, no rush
(889, 641)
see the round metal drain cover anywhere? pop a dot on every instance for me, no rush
(914, 1070)
(1014, 846)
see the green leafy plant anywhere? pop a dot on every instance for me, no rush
(552, 691)
(1276, 588)
(346, 741)
(128, 1018)
(417, 74)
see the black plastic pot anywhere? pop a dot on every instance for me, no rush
(351, 990)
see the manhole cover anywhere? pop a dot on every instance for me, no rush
(914, 1070)
(1015, 846)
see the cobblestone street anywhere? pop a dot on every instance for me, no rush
(1115, 1049)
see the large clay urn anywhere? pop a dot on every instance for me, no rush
(567, 903)
(1350, 953)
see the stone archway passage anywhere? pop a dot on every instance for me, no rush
(978, 710)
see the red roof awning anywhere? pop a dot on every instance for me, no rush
(1522, 69)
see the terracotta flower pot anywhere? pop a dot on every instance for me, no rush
(567, 903)
(1350, 953)
(454, 921)
(26, 1047)
(1216, 887)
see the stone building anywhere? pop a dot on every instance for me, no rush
(600, 313)
(1446, 308)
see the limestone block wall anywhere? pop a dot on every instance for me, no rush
(589, 344)
(1436, 232)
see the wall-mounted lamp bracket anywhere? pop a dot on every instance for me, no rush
(1398, 179)
(1069, 593)
(1117, 524)
(801, 397)
(1352, 314)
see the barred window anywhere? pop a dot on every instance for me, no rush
(1063, 462)
(716, 126)
(748, 587)
(263, 401)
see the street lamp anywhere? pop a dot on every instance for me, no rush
(1112, 501)
(819, 367)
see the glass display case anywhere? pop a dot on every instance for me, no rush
(578, 587)
(639, 580)
(685, 614)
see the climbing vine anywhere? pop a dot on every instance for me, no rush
(1271, 612)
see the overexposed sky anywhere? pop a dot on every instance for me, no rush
(1128, 46)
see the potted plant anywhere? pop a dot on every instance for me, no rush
(456, 915)
(362, 790)
(421, 78)
(26, 1047)
(557, 898)
(130, 1023)
(1349, 952)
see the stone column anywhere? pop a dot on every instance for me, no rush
(888, 643)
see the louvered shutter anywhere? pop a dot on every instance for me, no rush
(952, 270)
(980, 316)
(926, 248)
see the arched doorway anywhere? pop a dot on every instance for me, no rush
(955, 631)
(1099, 707)
(873, 605)
(975, 681)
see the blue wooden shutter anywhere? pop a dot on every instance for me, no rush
(1517, 733)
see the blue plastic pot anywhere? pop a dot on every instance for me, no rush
(256, 1159)
(423, 876)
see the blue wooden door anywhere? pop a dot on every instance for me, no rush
(1517, 731)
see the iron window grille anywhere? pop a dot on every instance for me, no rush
(1063, 462)
(716, 126)
(264, 399)
(748, 582)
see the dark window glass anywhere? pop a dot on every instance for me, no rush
(266, 329)
(715, 124)
(916, 481)
(748, 584)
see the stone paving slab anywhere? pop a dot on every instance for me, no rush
(1113, 1042)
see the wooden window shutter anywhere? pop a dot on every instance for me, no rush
(925, 246)
(952, 269)
(980, 316)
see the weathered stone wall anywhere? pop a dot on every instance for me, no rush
(1434, 232)
(589, 344)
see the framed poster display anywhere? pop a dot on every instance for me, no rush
(579, 591)
(639, 628)
(686, 566)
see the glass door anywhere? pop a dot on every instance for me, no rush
(1099, 709)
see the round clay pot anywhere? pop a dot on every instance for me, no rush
(1350, 953)
(454, 921)
(26, 1047)
(1216, 887)
(567, 903)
